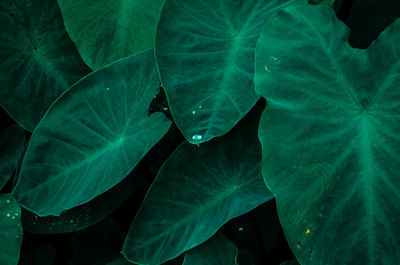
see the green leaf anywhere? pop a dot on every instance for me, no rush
(205, 54)
(107, 30)
(215, 251)
(196, 191)
(330, 137)
(92, 137)
(38, 60)
(12, 141)
(84, 215)
(11, 230)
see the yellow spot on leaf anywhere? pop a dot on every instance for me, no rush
(308, 231)
(8, 214)
(266, 69)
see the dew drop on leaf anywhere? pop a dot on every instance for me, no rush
(197, 137)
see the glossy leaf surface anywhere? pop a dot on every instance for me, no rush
(205, 52)
(38, 60)
(218, 250)
(10, 230)
(196, 191)
(330, 137)
(12, 141)
(107, 30)
(92, 137)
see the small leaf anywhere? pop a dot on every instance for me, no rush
(38, 60)
(10, 229)
(196, 191)
(12, 141)
(92, 137)
(107, 30)
(330, 137)
(205, 53)
(218, 250)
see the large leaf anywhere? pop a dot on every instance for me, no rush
(10, 230)
(92, 137)
(107, 30)
(38, 60)
(196, 191)
(205, 52)
(330, 137)
(218, 250)
(12, 141)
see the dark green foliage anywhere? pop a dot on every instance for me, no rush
(198, 117)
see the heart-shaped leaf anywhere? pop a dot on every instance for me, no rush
(38, 60)
(92, 137)
(330, 137)
(11, 230)
(107, 30)
(205, 52)
(196, 191)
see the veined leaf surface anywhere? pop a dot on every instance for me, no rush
(107, 30)
(38, 59)
(330, 137)
(196, 191)
(92, 137)
(205, 53)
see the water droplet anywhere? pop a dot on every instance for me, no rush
(71, 221)
(165, 109)
(108, 89)
(200, 106)
(16, 214)
(193, 112)
(240, 229)
(197, 137)
(8, 201)
(13, 217)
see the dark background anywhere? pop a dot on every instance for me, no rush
(257, 234)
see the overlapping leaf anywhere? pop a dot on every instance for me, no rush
(92, 137)
(205, 52)
(38, 60)
(107, 30)
(330, 137)
(10, 230)
(196, 191)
